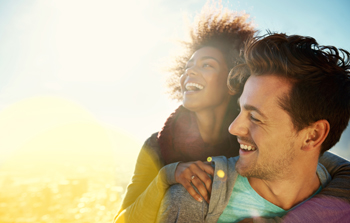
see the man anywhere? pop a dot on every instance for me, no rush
(294, 106)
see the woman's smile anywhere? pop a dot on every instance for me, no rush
(204, 82)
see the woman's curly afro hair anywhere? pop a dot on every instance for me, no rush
(221, 28)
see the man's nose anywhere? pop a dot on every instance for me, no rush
(239, 126)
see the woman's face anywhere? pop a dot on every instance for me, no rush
(204, 83)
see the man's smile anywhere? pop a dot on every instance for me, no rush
(247, 147)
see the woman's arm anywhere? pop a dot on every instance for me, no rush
(332, 204)
(148, 186)
(339, 169)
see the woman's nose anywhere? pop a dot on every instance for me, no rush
(190, 71)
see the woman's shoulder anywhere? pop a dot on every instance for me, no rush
(152, 140)
(151, 143)
(152, 148)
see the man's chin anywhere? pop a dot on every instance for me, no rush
(249, 170)
(242, 169)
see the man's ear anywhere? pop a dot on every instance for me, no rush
(232, 91)
(317, 133)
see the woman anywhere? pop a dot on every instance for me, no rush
(198, 128)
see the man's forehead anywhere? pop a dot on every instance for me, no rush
(269, 84)
(264, 90)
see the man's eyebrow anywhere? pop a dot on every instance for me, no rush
(251, 108)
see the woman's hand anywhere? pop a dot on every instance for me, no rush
(197, 174)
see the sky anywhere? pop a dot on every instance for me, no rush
(98, 66)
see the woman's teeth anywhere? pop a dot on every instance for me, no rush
(246, 147)
(193, 87)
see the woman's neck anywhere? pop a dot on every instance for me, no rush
(210, 124)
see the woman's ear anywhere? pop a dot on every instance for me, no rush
(316, 135)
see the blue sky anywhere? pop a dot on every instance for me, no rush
(104, 59)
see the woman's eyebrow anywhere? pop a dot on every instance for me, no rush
(210, 57)
(204, 58)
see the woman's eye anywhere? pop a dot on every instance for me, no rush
(206, 65)
(188, 65)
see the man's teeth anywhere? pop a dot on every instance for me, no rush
(193, 87)
(246, 147)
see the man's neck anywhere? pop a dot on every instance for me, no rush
(289, 192)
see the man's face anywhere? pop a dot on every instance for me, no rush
(269, 142)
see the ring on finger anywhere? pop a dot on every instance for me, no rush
(193, 176)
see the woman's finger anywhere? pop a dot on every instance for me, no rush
(201, 188)
(197, 174)
(202, 170)
(187, 185)
(203, 181)
(207, 167)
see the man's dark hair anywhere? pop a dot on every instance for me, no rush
(319, 75)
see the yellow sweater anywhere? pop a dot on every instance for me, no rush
(148, 185)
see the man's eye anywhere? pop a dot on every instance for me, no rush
(254, 119)
(206, 65)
